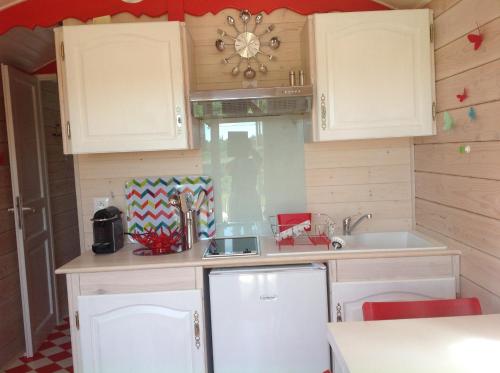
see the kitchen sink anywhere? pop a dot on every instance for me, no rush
(386, 241)
(364, 242)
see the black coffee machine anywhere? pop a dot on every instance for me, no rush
(108, 231)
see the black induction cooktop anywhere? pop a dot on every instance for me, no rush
(232, 246)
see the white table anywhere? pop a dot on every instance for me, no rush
(465, 344)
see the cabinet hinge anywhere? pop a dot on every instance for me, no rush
(339, 312)
(77, 320)
(432, 31)
(62, 51)
(68, 129)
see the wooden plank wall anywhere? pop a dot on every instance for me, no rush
(346, 178)
(104, 175)
(342, 178)
(11, 322)
(62, 190)
(458, 195)
(211, 73)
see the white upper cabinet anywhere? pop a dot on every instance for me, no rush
(122, 87)
(374, 75)
(142, 332)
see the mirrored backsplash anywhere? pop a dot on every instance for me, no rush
(257, 166)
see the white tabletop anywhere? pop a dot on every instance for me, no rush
(465, 344)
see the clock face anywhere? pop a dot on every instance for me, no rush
(247, 44)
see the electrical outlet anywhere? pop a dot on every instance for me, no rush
(100, 203)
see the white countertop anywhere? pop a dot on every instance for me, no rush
(465, 344)
(125, 260)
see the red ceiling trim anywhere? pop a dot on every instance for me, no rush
(47, 13)
(198, 8)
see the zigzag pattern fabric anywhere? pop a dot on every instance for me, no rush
(147, 203)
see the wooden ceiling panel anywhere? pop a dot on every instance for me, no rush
(6, 3)
(404, 4)
(27, 49)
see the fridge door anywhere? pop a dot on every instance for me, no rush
(270, 320)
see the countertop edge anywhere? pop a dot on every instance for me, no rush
(257, 261)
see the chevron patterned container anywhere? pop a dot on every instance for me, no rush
(147, 203)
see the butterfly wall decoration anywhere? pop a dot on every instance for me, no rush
(472, 114)
(476, 39)
(462, 96)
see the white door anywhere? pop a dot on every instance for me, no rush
(143, 332)
(375, 74)
(347, 298)
(31, 209)
(122, 87)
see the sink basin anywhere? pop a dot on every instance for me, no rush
(386, 241)
(364, 242)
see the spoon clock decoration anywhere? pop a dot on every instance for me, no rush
(248, 44)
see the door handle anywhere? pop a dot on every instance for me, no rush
(23, 209)
(20, 211)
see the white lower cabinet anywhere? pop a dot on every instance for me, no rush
(142, 332)
(347, 298)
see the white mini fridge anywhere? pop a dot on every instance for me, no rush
(270, 319)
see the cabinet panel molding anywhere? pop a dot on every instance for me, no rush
(348, 297)
(153, 332)
(374, 75)
(123, 87)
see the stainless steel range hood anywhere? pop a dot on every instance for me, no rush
(252, 102)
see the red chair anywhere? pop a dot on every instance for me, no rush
(420, 309)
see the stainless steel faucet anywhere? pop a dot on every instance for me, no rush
(349, 227)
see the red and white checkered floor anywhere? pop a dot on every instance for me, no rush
(53, 356)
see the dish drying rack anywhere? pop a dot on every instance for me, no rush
(319, 231)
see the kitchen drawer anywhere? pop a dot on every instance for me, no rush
(150, 280)
(392, 268)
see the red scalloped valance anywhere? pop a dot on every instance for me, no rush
(46, 13)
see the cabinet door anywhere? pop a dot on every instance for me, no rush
(124, 87)
(143, 332)
(348, 297)
(374, 75)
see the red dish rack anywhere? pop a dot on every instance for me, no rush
(292, 229)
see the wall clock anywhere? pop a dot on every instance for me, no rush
(247, 43)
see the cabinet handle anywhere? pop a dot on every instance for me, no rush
(63, 55)
(323, 112)
(339, 312)
(68, 130)
(77, 320)
(197, 339)
(434, 110)
(179, 117)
